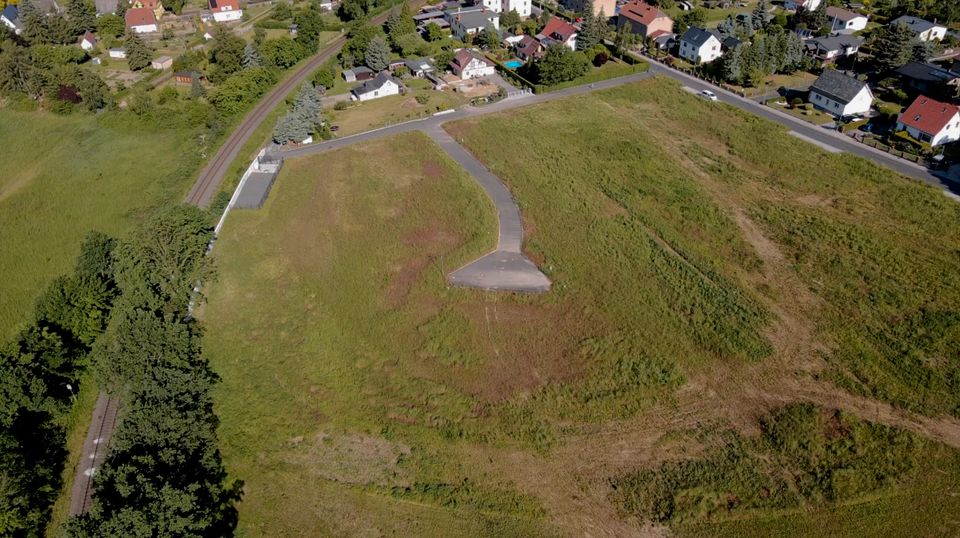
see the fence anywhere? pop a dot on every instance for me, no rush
(876, 144)
(696, 73)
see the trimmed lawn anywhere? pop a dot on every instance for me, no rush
(65, 176)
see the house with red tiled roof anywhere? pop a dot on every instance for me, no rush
(156, 6)
(529, 48)
(225, 10)
(141, 20)
(644, 20)
(560, 31)
(931, 121)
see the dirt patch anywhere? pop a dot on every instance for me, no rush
(349, 458)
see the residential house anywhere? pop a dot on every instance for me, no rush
(833, 48)
(665, 41)
(382, 85)
(922, 30)
(559, 31)
(88, 41)
(10, 17)
(161, 63)
(845, 22)
(467, 64)
(464, 22)
(930, 78)
(644, 20)
(225, 10)
(522, 7)
(793, 5)
(105, 7)
(529, 48)
(141, 20)
(608, 7)
(419, 67)
(358, 74)
(840, 95)
(117, 54)
(156, 6)
(699, 46)
(931, 121)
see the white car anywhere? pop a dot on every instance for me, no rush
(707, 94)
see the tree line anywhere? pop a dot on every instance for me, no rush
(120, 317)
(163, 474)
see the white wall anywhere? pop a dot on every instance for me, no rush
(949, 134)
(936, 33)
(388, 88)
(522, 7)
(707, 53)
(857, 106)
(226, 16)
(144, 28)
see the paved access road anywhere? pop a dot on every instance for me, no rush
(822, 137)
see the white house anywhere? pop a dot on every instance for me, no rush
(380, 86)
(118, 54)
(141, 20)
(840, 95)
(699, 46)
(88, 41)
(793, 5)
(522, 7)
(466, 65)
(10, 17)
(931, 121)
(843, 21)
(464, 22)
(923, 30)
(829, 49)
(225, 10)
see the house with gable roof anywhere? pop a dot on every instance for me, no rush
(931, 121)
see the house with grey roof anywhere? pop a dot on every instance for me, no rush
(833, 48)
(418, 67)
(700, 46)
(464, 22)
(840, 95)
(923, 30)
(930, 78)
(382, 85)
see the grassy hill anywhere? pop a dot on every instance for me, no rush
(62, 176)
(708, 275)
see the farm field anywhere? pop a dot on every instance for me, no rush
(63, 176)
(702, 281)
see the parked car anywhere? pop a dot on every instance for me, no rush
(707, 94)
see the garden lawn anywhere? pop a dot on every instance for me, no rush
(62, 177)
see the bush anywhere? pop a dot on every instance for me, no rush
(341, 105)
(796, 102)
(422, 98)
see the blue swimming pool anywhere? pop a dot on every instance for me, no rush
(513, 64)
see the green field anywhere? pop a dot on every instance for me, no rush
(705, 274)
(62, 177)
